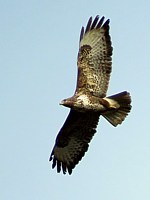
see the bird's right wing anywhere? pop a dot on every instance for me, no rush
(94, 58)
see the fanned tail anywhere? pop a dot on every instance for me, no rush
(117, 115)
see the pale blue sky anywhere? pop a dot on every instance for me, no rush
(38, 51)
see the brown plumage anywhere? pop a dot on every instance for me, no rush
(89, 101)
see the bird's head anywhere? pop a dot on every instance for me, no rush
(67, 102)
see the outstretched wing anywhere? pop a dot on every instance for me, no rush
(94, 58)
(72, 140)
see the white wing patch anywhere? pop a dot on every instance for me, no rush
(84, 98)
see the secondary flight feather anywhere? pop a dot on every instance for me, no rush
(89, 100)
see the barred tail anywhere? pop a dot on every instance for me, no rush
(116, 115)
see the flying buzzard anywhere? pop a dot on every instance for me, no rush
(89, 101)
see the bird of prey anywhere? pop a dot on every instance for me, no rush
(89, 101)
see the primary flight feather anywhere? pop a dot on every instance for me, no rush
(89, 101)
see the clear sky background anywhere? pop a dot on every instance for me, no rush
(38, 51)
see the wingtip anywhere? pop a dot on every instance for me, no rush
(106, 24)
(95, 23)
(51, 156)
(96, 17)
(81, 33)
(88, 25)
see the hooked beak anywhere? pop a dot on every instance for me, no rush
(62, 102)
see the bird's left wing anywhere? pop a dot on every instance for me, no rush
(72, 140)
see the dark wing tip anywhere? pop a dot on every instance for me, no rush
(96, 24)
(54, 163)
(61, 166)
(106, 24)
(51, 156)
(58, 166)
(88, 27)
(70, 171)
(64, 167)
(82, 33)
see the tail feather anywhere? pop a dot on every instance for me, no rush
(117, 115)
